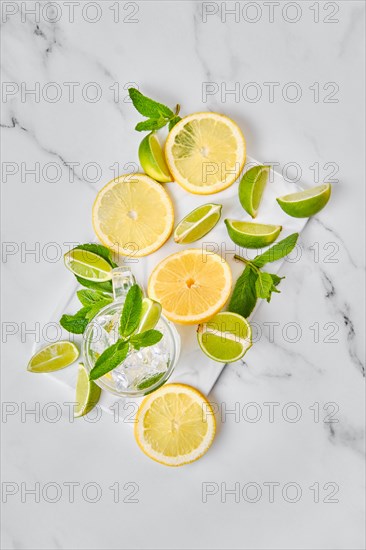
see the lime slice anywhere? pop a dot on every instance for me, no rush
(152, 159)
(226, 337)
(88, 265)
(197, 223)
(87, 393)
(305, 203)
(54, 357)
(252, 235)
(150, 315)
(251, 188)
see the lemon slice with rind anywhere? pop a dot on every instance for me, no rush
(175, 425)
(205, 152)
(133, 215)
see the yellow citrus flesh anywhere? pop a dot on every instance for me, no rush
(175, 425)
(191, 285)
(205, 152)
(133, 215)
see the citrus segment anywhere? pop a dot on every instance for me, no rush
(197, 223)
(251, 188)
(88, 265)
(152, 159)
(226, 337)
(54, 357)
(252, 235)
(305, 203)
(87, 393)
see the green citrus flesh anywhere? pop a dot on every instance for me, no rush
(251, 188)
(88, 265)
(306, 203)
(87, 393)
(152, 159)
(150, 315)
(226, 337)
(197, 223)
(53, 357)
(252, 235)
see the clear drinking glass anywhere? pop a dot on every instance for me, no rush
(144, 370)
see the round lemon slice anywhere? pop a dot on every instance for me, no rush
(133, 215)
(191, 285)
(205, 152)
(175, 425)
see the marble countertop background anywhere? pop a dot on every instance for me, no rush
(287, 466)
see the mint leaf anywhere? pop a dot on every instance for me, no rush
(173, 121)
(244, 296)
(109, 359)
(102, 286)
(131, 312)
(92, 297)
(145, 339)
(148, 107)
(263, 285)
(276, 280)
(98, 249)
(150, 124)
(276, 252)
(75, 323)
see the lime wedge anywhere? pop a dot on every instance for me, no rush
(252, 235)
(305, 203)
(150, 314)
(197, 223)
(152, 159)
(88, 265)
(53, 357)
(226, 337)
(87, 393)
(251, 188)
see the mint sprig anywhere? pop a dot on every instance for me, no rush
(93, 301)
(129, 322)
(254, 283)
(158, 115)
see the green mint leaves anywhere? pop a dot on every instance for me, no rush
(158, 115)
(129, 322)
(254, 283)
(93, 301)
(131, 312)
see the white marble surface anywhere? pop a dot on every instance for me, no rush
(170, 52)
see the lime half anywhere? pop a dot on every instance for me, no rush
(251, 188)
(88, 265)
(252, 235)
(87, 393)
(197, 223)
(305, 203)
(152, 159)
(226, 337)
(53, 357)
(150, 314)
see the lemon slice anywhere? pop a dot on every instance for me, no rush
(191, 286)
(197, 223)
(54, 357)
(252, 235)
(133, 215)
(251, 188)
(87, 393)
(175, 425)
(226, 337)
(152, 159)
(88, 265)
(305, 203)
(205, 152)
